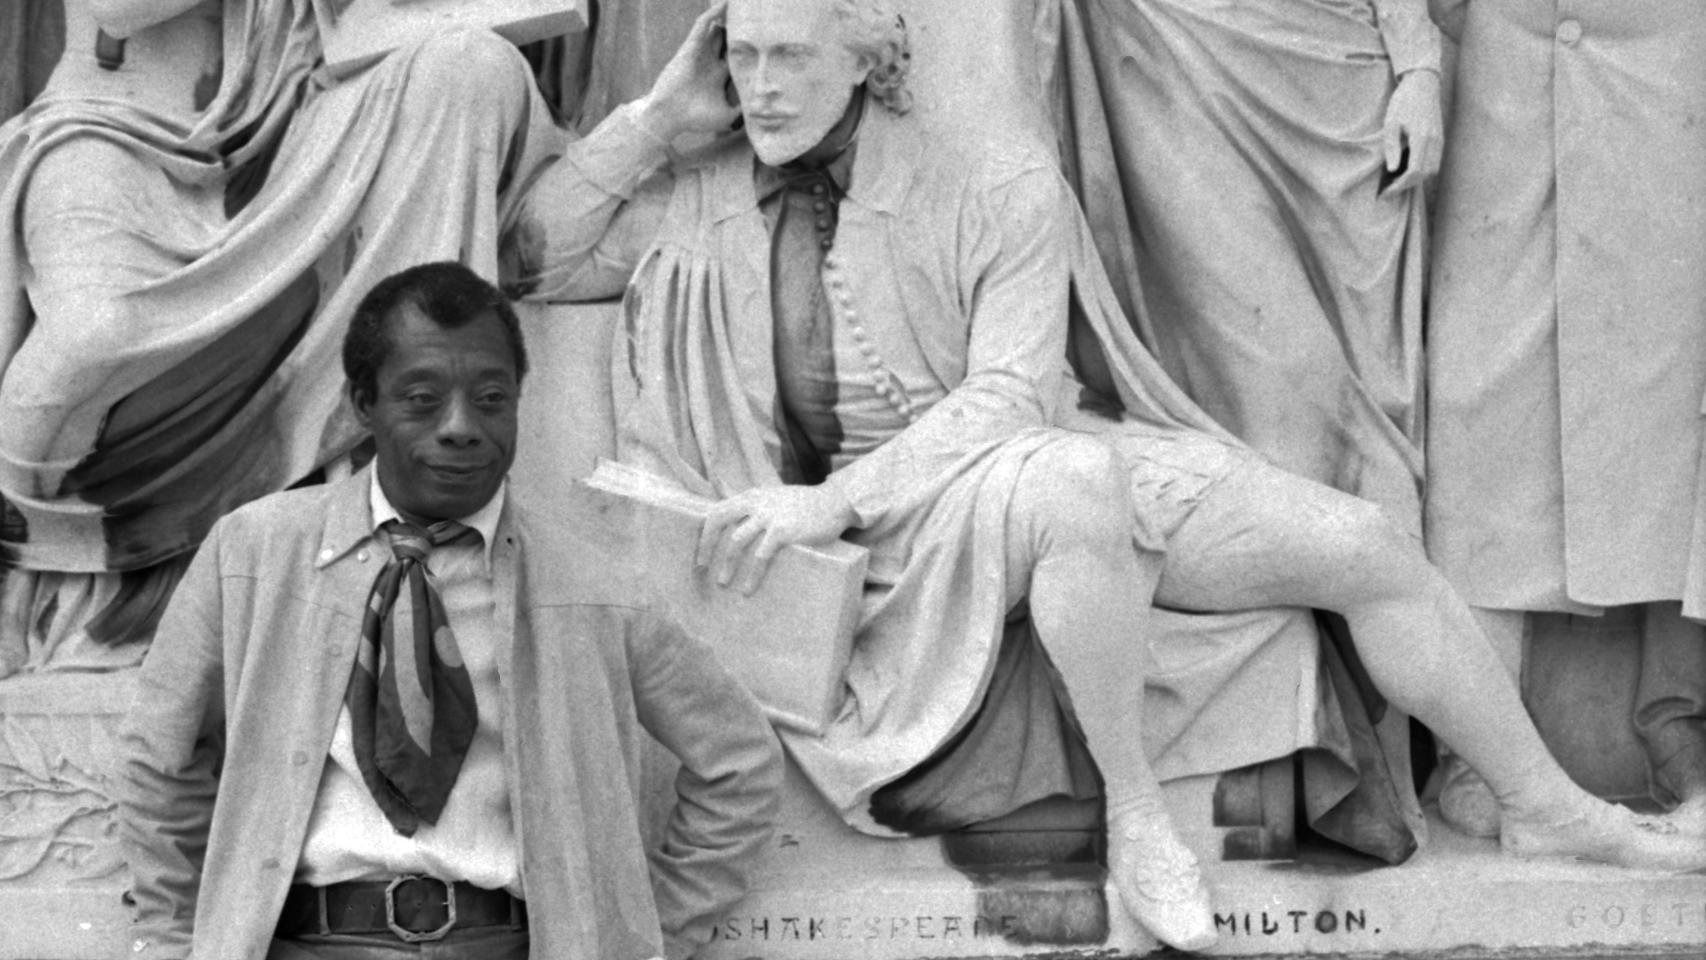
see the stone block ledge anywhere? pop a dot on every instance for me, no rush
(1458, 898)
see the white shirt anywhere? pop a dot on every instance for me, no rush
(474, 839)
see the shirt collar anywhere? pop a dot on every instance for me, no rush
(484, 520)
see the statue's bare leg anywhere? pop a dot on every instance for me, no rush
(1070, 557)
(1263, 537)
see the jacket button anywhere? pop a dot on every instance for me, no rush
(361, 555)
(325, 554)
(299, 758)
(1569, 32)
(270, 863)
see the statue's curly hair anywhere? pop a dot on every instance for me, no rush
(875, 30)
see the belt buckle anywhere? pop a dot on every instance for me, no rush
(414, 936)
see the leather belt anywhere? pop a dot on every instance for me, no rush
(412, 908)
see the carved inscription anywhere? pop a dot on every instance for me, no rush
(855, 927)
(1268, 923)
(1642, 916)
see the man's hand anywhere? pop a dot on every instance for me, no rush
(689, 96)
(1413, 121)
(743, 532)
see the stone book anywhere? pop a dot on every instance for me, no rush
(789, 641)
(355, 33)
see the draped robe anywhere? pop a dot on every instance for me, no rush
(174, 288)
(974, 278)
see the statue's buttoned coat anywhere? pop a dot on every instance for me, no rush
(1567, 337)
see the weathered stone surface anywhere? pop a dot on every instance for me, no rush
(366, 30)
(61, 875)
(56, 817)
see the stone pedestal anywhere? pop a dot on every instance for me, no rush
(828, 892)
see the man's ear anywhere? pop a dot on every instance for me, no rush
(361, 401)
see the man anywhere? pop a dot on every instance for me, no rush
(845, 322)
(1567, 350)
(286, 793)
(188, 215)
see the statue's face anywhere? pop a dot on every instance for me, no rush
(444, 415)
(793, 71)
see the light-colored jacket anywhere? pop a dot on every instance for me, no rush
(238, 698)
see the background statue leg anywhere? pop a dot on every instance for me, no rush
(1465, 800)
(1670, 705)
(1264, 537)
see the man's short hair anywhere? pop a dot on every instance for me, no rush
(447, 293)
(875, 30)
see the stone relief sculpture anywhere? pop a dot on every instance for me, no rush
(56, 818)
(186, 215)
(83, 639)
(841, 332)
(1260, 212)
(1567, 357)
(1252, 174)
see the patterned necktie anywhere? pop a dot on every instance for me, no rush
(411, 703)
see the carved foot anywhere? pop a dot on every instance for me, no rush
(1465, 800)
(1157, 880)
(1607, 833)
(1690, 817)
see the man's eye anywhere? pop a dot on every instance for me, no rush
(420, 401)
(493, 398)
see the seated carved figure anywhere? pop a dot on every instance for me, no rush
(845, 321)
(186, 216)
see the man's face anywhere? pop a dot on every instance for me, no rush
(793, 71)
(443, 417)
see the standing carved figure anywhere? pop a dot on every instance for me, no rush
(1568, 342)
(187, 215)
(1261, 216)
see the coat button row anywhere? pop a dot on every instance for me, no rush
(1569, 31)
